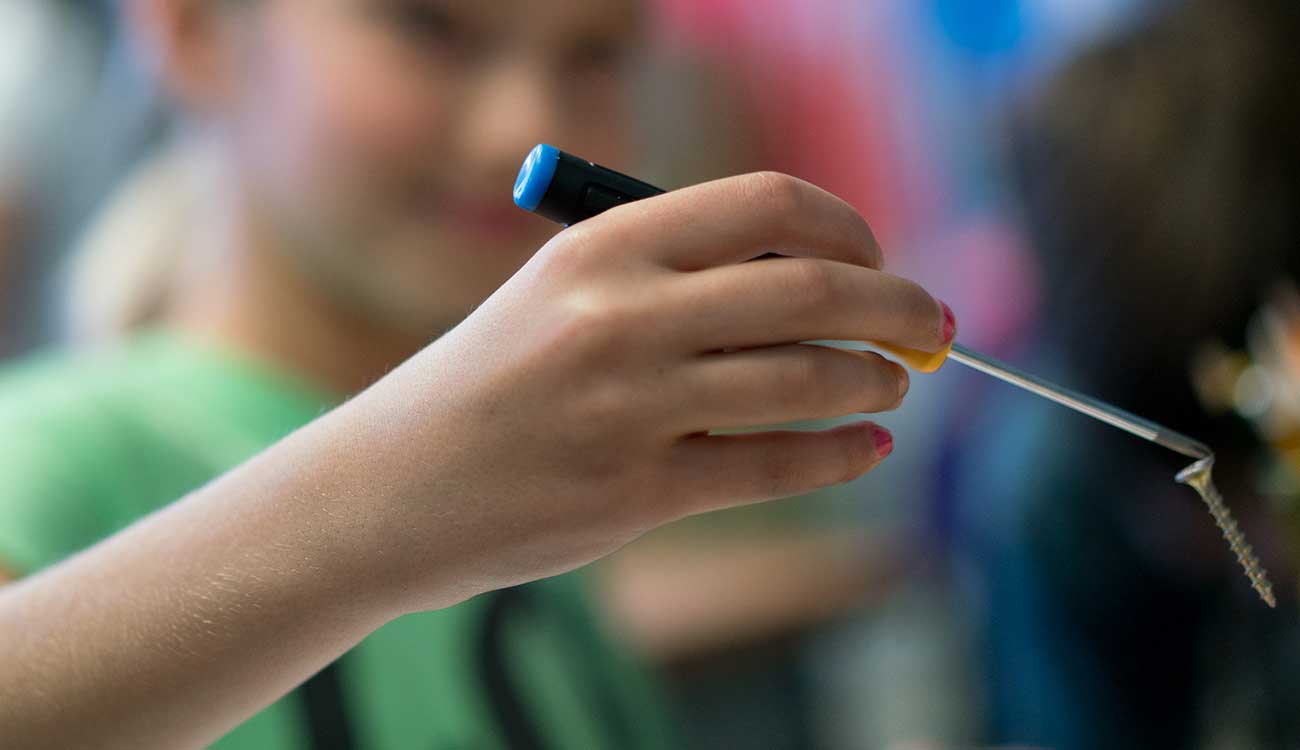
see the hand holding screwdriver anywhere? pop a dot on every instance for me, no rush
(568, 189)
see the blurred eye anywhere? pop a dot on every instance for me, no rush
(598, 56)
(425, 24)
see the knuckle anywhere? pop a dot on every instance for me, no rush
(780, 195)
(859, 228)
(597, 313)
(604, 404)
(567, 255)
(582, 317)
(596, 325)
(576, 245)
(810, 284)
(806, 374)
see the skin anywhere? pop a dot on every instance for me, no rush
(566, 416)
(366, 151)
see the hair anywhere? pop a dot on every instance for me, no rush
(1161, 180)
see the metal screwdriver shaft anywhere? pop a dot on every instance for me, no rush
(1197, 475)
(1095, 408)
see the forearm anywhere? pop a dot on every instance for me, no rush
(182, 626)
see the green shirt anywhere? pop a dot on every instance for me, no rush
(90, 443)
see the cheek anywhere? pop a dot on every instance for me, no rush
(383, 118)
(340, 121)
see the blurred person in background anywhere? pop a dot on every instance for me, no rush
(1160, 176)
(350, 161)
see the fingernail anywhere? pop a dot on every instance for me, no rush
(884, 441)
(949, 323)
(904, 381)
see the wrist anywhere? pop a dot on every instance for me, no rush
(370, 516)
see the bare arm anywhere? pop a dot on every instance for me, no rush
(175, 630)
(567, 416)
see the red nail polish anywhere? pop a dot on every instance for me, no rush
(884, 441)
(949, 323)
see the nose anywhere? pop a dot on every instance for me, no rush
(505, 116)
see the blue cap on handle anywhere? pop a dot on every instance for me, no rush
(567, 189)
(535, 176)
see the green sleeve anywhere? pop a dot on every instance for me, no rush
(47, 508)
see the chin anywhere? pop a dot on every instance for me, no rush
(427, 282)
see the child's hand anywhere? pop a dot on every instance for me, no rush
(563, 419)
(572, 412)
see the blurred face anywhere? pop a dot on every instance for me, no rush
(379, 139)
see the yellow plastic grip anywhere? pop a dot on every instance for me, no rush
(917, 359)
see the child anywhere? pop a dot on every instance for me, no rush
(362, 154)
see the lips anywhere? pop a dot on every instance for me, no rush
(495, 219)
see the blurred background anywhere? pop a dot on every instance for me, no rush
(1105, 191)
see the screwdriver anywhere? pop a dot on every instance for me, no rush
(567, 189)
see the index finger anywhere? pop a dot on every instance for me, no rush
(788, 300)
(736, 219)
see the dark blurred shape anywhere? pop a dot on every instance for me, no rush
(1160, 175)
(1161, 171)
